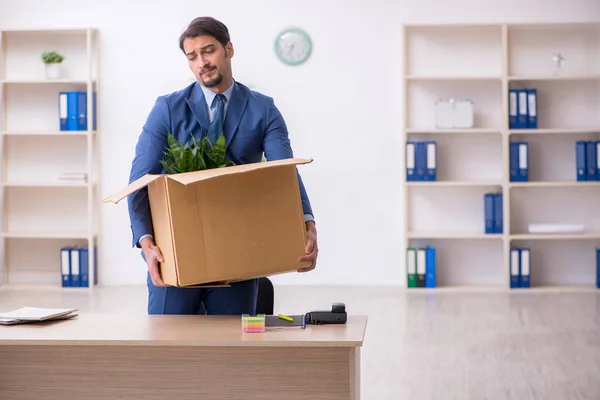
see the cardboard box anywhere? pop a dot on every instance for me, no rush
(226, 224)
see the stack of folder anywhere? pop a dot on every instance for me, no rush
(421, 267)
(25, 315)
(493, 213)
(520, 267)
(522, 109)
(587, 161)
(421, 161)
(519, 161)
(72, 110)
(74, 266)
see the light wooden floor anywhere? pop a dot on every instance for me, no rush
(445, 345)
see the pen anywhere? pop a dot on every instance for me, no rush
(281, 316)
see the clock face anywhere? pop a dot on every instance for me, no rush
(293, 46)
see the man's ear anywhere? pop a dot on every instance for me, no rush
(229, 49)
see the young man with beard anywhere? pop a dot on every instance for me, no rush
(252, 125)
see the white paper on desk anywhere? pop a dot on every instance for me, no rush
(37, 314)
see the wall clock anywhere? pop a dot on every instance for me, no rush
(293, 46)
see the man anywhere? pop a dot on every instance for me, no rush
(251, 124)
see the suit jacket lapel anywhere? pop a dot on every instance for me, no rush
(235, 110)
(197, 104)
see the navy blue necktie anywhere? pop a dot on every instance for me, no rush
(216, 126)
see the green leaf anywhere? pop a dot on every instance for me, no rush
(218, 151)
(170, 167)
(185, 163)
(195, 155)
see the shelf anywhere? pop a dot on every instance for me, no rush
(454, 78)
(555, 236)
(41, 211)
(453, 183)
(47, 133)
(46, 81)
(554, 184)
(555, 131)
(555, 78)
(454, 236)
(469, 131)
(41, 184)
(481, 63)
(44, 235)
(486, 96)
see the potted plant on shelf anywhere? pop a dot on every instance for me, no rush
(53, 61)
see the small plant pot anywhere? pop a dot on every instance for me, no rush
(53, 71)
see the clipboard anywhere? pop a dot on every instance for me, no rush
(273, 321)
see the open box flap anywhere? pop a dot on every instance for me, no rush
(132, 187)
(196, 176)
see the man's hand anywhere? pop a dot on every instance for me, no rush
(312, 249)
(153, 257)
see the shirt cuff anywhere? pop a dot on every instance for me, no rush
(309, 217)
(145, 236)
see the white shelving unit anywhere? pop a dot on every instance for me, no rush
(42, 212)
(481, 63)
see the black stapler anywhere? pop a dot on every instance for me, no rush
(337, 315)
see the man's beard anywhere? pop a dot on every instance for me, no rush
(214, 81)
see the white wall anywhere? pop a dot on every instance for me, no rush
(343, 108)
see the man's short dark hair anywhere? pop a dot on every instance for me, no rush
(205, 26)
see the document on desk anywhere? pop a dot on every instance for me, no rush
(36, 314)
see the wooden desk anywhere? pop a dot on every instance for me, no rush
(179, 357)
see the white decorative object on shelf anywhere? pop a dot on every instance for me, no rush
(53, 61)
(555, 228)
(454, 113)
(53, 71)
(558, 59)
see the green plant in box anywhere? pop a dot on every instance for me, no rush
(195, 156)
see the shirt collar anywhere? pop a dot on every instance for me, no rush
(209, 95)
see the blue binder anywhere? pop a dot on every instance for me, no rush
(430, 270)
(94, 125)
(431, 160)
(598, 267)
(514, 161)
(531, 108)
(598, 160)
(63, 110)
(498, 219)
(581, 160)
(72, 111)
(513, 107)
(525, 268)
(75, 266)
(515, 267)
(82, 111)
(410, 161)
(522, 114)
(591, 160)
(523, 158)
(488, 210)
(65, 266)
(85, 267)
(420, 160)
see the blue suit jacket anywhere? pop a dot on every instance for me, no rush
(253, 125)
